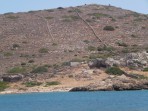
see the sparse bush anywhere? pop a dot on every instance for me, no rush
(43, 50)
(120, 43)
(24, 42)
(78, 10)
(98, 15)
(54, 44)
(55, 66)
(16, 46)
(86, 41)
(108, 28)
(52, 83)
(60, 8)
(89, 20)
(91, 48)
(145, 69)
(70, 18)
(114, 71)
(7, 54)
(12, 17)
(31, 11)
(126, 50)
(3, 86)
(17, 70)
(77, 60)
(8, 13)
(23, 64)
(134, 36)
(32, 84)
(66, 64)
(105, 48)
(47, 65)
(31, 61)
(49, 17)
(94, 56)
(50, 10)
(40, 69)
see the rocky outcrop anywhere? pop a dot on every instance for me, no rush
(133, 60)
(12, 78)
(98, 63)
(137, 60)
(117, 83)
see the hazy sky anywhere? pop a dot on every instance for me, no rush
(140, 6)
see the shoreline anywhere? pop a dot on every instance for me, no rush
(35, 91)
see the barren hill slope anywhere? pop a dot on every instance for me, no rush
(60, 35)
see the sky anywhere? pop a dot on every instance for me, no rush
(6, 6)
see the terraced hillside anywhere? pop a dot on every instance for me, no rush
(53, 37)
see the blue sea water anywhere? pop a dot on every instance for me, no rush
(76, 101)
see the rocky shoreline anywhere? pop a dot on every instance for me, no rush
(112, 83)
(91, 76)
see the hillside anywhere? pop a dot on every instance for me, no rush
(53, 37)
(25, 36)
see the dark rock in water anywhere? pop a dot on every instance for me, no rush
(79, 89)
(12, 78)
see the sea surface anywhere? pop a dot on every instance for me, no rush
(76, 101)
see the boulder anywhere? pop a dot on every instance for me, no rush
(74, 64)
(138, 60)
(103, 63)
(112, 62)
(12, 78)
(98, 63)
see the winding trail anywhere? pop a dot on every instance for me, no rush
(91, 28)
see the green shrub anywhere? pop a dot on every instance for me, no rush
(12, 17)
(40, 69)
(70, 18)
(145, 69)
(54, 44)
(114, 71)
(98, 15)
(43, 50)
(17, 70)
(77, 60)
(16, 46)
(120, 43)
(52, 83)
(8, 13)
(49, 17)
(134, 36)
(55, 66)
(32, 84)
(86, 41)
(94, 56)
(91, 48)
(66, 64)
(60, 8)
(7, 54)
(105, 48)
(23, 64)
(126, 50)
(3, 86)
(31, 61)
(108, 28)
